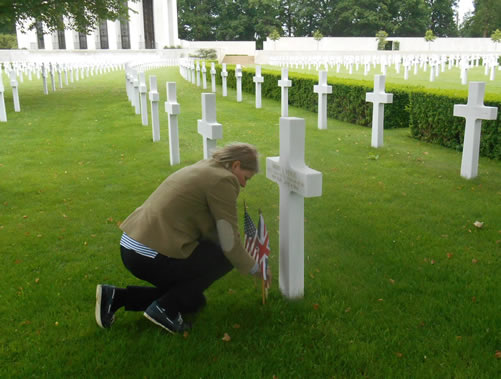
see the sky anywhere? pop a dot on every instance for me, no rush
(463, 7)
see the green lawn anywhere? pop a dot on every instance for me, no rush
(398, 280)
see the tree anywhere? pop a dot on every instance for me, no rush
(486, 17)
(442, 21)
(381, 37)
(429, 37)
(80, 15)
(496, 36)
(317, 36)
(274, 36)
(410, 17)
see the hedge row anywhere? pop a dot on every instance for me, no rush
(428, 113)
(432, 120)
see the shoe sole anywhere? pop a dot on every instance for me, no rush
(157, 323)
(99, 294)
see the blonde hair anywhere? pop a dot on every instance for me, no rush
(243, 152)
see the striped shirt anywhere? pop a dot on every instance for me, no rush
(138, 247)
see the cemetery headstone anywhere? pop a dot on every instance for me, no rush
(258, 79)
(296, 181)
(154, 99)
(60, 75)
(204, 76)
(322, 89)
(3, 113)
(15, 91)
(208, 127)
(224, 78)
(198, 73)
(285, 83)
(173, 109)
(474, 111)
(136, 95)
(378, 98)
(52, 80)
(44, 79)
(238, 76)
(213, 76)
(142, 94)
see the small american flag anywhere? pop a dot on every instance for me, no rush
(250, 232)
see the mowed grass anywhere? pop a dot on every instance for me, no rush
(398, 280)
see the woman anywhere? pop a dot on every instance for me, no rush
(183, 238)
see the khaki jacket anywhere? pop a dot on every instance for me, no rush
(197, 202)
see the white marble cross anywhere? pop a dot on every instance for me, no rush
(44, 78)
(285, 83)
(154, 99)
(173, 109)
(142, 93)
(224, 78)
(59, 75)
(296, 181)
(15, 90)
(3, 113)
(322, 89)
(213, 76)
(378, 98)
(204, 76)
(198, 73)
(208, 127)
(238, 76)
(52, 80)
(66, 74)
(474, 111)
(258, 79)
(136, 95)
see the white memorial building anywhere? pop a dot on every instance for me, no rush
(152, 24)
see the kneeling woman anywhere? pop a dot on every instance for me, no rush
(183, 238)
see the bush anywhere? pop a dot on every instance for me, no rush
(8, 41)
(432, 120)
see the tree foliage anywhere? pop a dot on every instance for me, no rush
(484, 20)
(80, 15)
(381, 38)
(442, 17)
(496, 36)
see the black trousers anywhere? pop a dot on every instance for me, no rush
(178, 283)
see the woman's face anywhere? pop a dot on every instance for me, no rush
(242, 175)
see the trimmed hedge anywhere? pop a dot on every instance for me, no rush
(432, 120)
(428, 113)
(346, 104)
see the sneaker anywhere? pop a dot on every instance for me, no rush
(156, 314)
(104, 300)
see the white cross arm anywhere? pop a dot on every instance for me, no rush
(478, 112)
(384, 98)
(211, 130)
(258, 79)
(302, 180)
(172, 108)
(285, 83)
(322, 89)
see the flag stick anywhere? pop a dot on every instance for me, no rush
(263, 292)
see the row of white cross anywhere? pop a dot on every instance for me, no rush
(298, 181)
(437, 63)
(16, 71)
